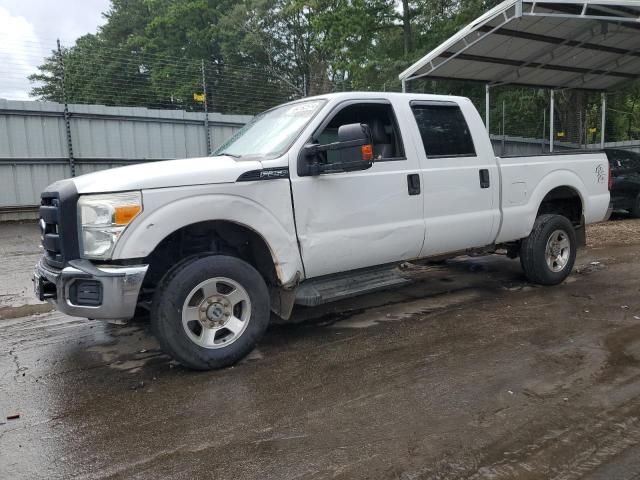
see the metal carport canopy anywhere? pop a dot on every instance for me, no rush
(593, 45)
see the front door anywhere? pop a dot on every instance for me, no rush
(351, 220)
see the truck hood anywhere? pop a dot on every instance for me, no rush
(168, 173)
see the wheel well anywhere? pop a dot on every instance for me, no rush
(215, 237)
(563, 201)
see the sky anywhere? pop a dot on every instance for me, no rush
(28, 33)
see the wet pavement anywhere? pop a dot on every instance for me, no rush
(19, 252)
(468, 373)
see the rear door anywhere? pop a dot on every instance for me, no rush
(460, 175)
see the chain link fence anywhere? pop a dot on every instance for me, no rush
(81, 75)
(86, 76)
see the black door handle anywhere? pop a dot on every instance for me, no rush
(484, 178)
(413, 183)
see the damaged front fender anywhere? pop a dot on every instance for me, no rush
(264, 207)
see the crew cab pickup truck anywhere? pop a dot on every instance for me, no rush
(311, 201)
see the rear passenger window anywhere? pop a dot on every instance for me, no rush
(444, 131)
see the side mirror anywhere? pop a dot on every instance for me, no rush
(360, 135)
(354, 146)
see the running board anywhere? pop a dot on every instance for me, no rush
(350, 284)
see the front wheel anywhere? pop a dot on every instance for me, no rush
(210, 312)
(547, 255)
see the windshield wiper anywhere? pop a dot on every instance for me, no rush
(234, 155)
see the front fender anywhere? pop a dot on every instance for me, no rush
(164, 214)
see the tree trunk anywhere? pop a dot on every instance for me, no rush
(406, 26)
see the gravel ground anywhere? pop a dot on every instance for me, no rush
(620, 230)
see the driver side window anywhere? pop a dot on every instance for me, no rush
(387, 143)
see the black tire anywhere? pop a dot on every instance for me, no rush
(172, 292)
(533, 250)
(635, 211)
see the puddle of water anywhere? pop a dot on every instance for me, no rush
(126, 348)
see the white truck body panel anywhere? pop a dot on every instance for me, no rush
(526, 180)
(357, 219)
(169, 173)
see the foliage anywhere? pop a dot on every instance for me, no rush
(257, 53)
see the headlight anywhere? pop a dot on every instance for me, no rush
(103, 218)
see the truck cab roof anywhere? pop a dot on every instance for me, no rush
(392, 96)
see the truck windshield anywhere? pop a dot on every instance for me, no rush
(271, 133)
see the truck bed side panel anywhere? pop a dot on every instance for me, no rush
(527, 180)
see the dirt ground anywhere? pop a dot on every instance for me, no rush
(468, 373)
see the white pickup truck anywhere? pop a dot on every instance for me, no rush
(311, 201)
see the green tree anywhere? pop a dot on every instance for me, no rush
(103, 68)
(258, 53)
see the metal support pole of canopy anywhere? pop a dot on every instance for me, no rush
(552, 119)
(603, 121)
(486, 107)
(404, 86)
(544, 126)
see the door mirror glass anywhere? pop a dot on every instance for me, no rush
(353, 148)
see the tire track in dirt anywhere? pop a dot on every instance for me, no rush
(571, 452)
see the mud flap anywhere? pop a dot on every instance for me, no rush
(581, 234)
(282, 301)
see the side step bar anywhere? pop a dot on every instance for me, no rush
(350, 284)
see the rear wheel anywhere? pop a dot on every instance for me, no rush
(210, 312)
(548, 254)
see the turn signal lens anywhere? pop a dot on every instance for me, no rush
(367, 152)
(124, 214)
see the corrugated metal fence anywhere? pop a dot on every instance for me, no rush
(34, 142)
(34, 148)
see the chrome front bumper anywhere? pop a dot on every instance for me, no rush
(120, 286)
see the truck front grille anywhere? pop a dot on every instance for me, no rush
(58, 223)
(50, 229)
